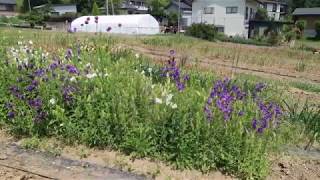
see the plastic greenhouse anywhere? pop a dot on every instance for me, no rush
(121, 24)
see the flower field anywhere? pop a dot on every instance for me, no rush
(94, 92)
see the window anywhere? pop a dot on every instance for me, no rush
(274, 7)
(209, 10)
(247, 13)
(232, 10)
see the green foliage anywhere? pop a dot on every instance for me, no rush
(117, 109)
(31, 143)
(202, 31)
(317, 28)
(240, 40)
(172, 19)
(301, 25)
(157, 8)
(309, 117)
(95, 9)
(261, 14)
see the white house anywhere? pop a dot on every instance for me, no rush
(275, 8)
(230, 16)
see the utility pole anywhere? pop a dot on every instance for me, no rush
(112, 7)
(107, 7)
(29, 5)
(179, 14)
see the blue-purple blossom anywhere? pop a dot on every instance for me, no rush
(40, 117)
(72, 69)
(173, 72)
(39, 72)
(35, 103)
(69, 53)
(11, 115)
(53, 66)
(224, 98)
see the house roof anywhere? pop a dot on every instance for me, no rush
(306, 11)
(182, 5)
(13, 2)
(55, 5)
(274, 1)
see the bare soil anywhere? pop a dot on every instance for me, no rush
(227, 67)
(80, 162)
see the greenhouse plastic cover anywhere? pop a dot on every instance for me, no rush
(121, 24)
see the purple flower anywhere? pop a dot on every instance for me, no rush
(69, 53)
(11, 115)
(40, 117)
(30, 87)
(72, 69)
(35, 103)
(241, 113)
(254, 124)
(109, 29)
(14, 89)
(67, 94)
(172, 52)
(53, 66)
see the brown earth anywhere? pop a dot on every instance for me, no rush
(227, 67)
(80, 162)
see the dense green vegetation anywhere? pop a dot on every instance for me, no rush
(92, 91)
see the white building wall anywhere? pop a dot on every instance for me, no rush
(273, 15)
(233, 24)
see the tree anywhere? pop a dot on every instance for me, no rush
(25, 4)
(262, 14)
(157, 8)
(95, 9)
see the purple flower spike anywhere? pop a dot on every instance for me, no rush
(72, 69)
(69, 53)
(35, 103)
(11, 115)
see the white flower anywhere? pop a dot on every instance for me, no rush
(91, 75)
(152, 86)
(88, 65)
(72, 79)
(150, 70)
(158, 101)
(174, 106)
(106, 75)
(137, 55)
(169, 98)
(52, 101)
(30, 42)
(142, 72)
(19, 42)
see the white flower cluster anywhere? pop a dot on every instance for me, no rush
(167, 100)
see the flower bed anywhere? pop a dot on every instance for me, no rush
(106, 96)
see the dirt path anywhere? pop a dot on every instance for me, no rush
(17, 163)
(226, 66)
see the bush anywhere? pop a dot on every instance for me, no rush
(262, 14)
(202, 31)
(317, 28)
(301, 25)
(240, 40)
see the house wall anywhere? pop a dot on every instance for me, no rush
(7, 7)
(64, 9)
(234, 24)
(310, 27)
(273, 14)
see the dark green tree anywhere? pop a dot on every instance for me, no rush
(95, 9)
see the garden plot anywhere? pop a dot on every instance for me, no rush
(92, 91)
